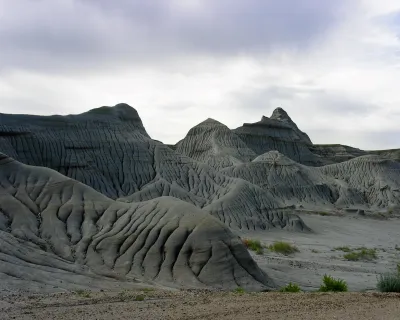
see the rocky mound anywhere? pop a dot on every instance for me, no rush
(213, 143)
(109, 150)
(278, 133)
(375, 178)
(293, 183)
(55, 230)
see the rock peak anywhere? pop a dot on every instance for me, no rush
(280, 114)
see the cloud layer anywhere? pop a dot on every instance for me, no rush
(333, 65)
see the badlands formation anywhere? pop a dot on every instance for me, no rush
(90, 201)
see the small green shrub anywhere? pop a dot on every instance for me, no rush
(389, 282)
(397, 247)
(253, 245)
(83, 293)
(239, 290)
(363, 254)
(332, 284)
(314, 251)
(344, 249)
(148, 289)
(291, 287)
(283, 247)
(139, 297)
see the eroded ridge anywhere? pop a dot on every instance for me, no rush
(53, 227)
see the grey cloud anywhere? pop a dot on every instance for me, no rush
(266, 99)
(387, 139)
(88, 33)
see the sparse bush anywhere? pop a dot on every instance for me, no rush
(389, 282)
(314, 251)
(139, 297)
(148, 289)
(283, 247)
(344, 249)
(397, 247)
(253, 245)
(332, 284)
(239, 290)
(83, 293)
(291, 287)
(363, 254)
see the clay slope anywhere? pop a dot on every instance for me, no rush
(55, 230)
(278, 133)
(365, 182)
(293, 183)
(376, 179)
(109, 150)
(215, 144)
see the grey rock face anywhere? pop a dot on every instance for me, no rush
(375, 178)
(103, 201)
(109, 150)
(50, 222)
(278, 133)
(213, 143)
(367, 181)
(287, 180)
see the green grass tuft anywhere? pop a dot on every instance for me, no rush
(139, 297)
(239, 290)
(253, 245)
(362, 254)
(83, 293)
(389, 282)
(283, 247)
(344, 249)
(291, 287)
(332, 284)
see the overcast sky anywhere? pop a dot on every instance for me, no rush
(334, 66)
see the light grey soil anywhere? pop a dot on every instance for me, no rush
(202, 305)
(317, 255)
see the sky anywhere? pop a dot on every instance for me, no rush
(334, 66)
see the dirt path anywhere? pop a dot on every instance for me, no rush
(202, 305)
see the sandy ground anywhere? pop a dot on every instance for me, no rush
(318, 256)
(202, 305)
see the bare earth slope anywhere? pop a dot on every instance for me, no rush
(278, 133)
(214, 143)
(57, 231)
(364, 182)
(109, 150)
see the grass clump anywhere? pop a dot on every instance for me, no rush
(283, 247)
(344, 249)
(361, 254)
(291, 287)
(139, 297)
(83, 293)
(332, 284)
(389, 282)
(239, 290)
(253, 245)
